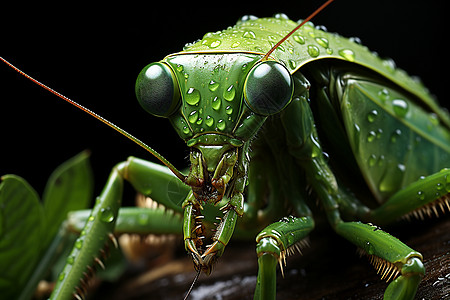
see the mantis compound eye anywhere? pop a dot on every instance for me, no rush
(268, 88)
(157, 90)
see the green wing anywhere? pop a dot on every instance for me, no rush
(394, 141)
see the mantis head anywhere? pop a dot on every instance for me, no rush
(216, 102)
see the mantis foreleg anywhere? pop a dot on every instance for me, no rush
(147, 178)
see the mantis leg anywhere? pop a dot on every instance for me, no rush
(147, 178)
(389, 255)
(273, 244)
(426, 196)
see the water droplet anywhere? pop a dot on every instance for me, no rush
(143, 219)
(70, 259)
(215, 44)
(106, 215)
(383, 94)
(313, 51)
(91, 218)
(292, 64)
(193, 116)
(229, 110)
(355, 40)
(279, 48)
(379, 133)
(421, 195)
(215, 103)
(186, 130)
(299, 39)
(235, 44)
(78, 244)
(221, 125)
(389, 64)
(372, 160)
(61, 276)
(213, 85)
(433, 118)
(322, 42)
(246, 18)
(371, 136)
(180, 68)
(439, 186)
(211, 42)
(401, 168)
(281, 16)
(369, 248)
(447, 183)
(209, 121)
(400, 107)
(372, 116)
(329, 51)
(192, 96)
(229, 93)
(249, 35)
(347, 54)
(395, 135)
(321, 27)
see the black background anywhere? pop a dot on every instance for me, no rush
(93, 53)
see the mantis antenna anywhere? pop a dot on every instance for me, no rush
(296, 28)
(174, 170)
(193, 283)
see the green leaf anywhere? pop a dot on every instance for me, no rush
(28, 227)
(70, 187)
(21, 231)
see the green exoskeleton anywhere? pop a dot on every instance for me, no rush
(266, 121)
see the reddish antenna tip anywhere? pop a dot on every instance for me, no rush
(318, 10)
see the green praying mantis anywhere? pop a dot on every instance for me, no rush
(314, 110)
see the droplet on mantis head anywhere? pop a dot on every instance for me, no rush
(313, 51)
(193, 116)
(215, 104)
(299, 39)
(192, 96)
(229, 93)
(249, 35)
(347, 54)
(221, 125)
(322, 42)
(213, 85)
(209, 121)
